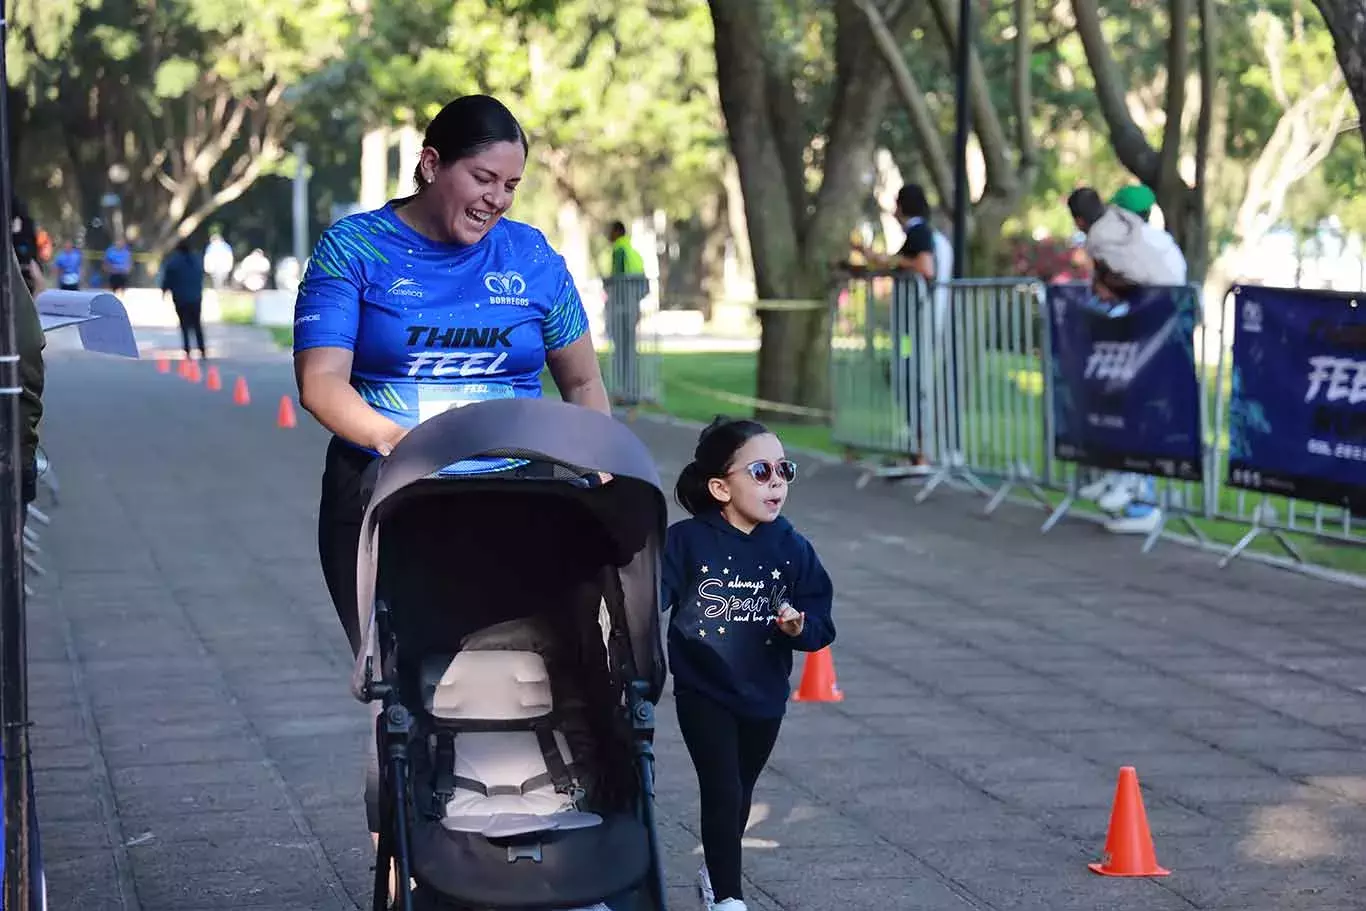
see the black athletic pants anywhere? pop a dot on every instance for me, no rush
(189, 314)
(340, 512)
(729, 752)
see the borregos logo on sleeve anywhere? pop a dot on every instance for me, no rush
(506, 288)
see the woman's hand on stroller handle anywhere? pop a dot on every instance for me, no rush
(388, 440)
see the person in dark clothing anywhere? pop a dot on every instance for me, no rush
(746, 591)
(25, 282)
(183, 278)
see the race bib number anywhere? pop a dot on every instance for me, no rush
(434, 398)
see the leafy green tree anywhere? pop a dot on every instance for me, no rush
(189, 98)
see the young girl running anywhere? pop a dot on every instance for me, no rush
(746, 591)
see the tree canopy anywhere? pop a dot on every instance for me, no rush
(772, 131)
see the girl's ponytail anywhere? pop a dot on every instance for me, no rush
(691, 490)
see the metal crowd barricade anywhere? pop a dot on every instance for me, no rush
(631, 371)
(1178, 499)
(872, 413)
(989, 388)
(951, 373)
(961, 374)
(1260, 513)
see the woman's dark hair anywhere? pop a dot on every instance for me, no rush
(468, 125)
(716, 448)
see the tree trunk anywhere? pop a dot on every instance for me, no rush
(1347, 22)
(1172, 193)
(1197, 255)
(793, 239)
(685, 275)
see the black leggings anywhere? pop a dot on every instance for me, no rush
(189, 314)
(729, 752)
(340, 512)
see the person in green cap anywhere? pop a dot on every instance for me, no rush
(1135, 198)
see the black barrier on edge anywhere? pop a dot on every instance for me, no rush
(1297, 410)
(18, 883)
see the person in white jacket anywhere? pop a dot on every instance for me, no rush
(1127, 253)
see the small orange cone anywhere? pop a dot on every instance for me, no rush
(240, 396)
(182, 369)
(818, 679)
(163, 365)
(212, 382)
(286, 415)
(1129, 844)
(194, 375)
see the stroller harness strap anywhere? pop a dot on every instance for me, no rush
(556, 767)
(506, 790)
(561, 774)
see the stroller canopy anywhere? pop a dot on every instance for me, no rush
(567, 441)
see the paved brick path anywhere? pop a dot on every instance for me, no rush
(196, 747)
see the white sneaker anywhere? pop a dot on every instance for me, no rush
(1136, 523)
(1097, 488)
(704, 889)
(1119, 495)
(730, 904)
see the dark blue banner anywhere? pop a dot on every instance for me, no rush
(1297, 414)
(1125, 395)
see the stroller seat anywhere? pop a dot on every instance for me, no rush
(504, 769)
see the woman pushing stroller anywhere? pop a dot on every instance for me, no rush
(428, 303)
(746, 590)
(436, 301)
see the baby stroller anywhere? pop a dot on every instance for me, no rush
(514, 648)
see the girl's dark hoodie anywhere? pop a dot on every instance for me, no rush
(725, 588)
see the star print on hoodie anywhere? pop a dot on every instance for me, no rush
(725, 588)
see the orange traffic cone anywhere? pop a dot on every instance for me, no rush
(182, 369)
(240, 396)
(818, 679)
(163, 365)
(194, 375)
(286, 416)
(212, 382)
(1128, 844)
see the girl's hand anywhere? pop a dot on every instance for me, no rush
(790, 620)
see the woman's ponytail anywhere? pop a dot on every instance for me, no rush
(691, 490)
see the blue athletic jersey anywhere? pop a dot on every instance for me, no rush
(434, 326)
(119, 259)
(68, 263)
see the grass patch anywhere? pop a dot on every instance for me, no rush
(236, 307)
